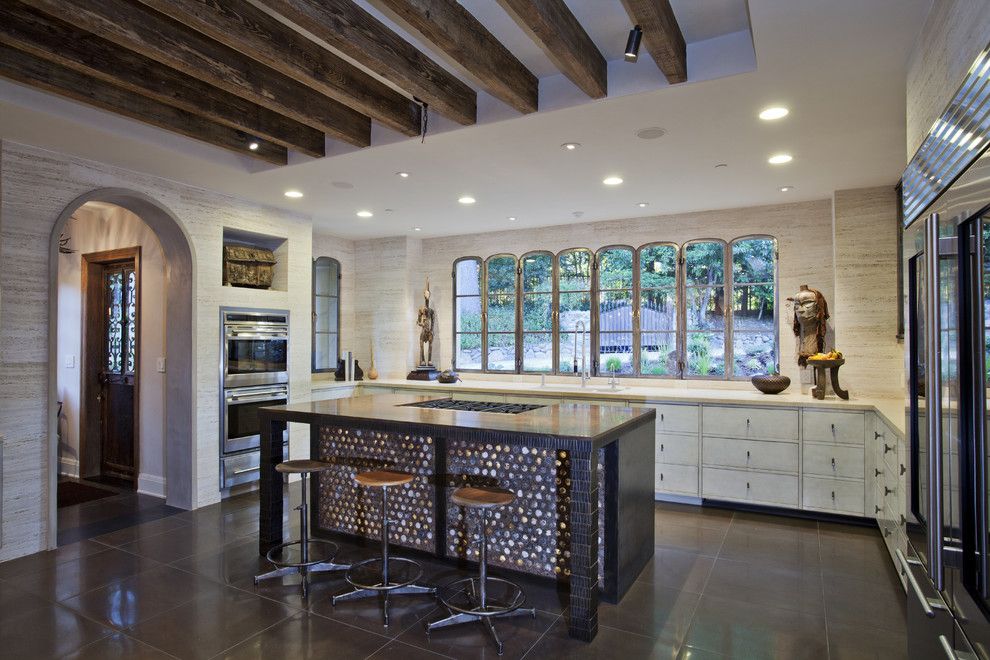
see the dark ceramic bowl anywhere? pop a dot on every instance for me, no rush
(771, 383)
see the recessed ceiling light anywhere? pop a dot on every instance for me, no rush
(774, 112)
(786, 188)
(253, 145)
(402, 175)
(365, 214)
(570, 146)
(780, 159)
(466, 199)
(650, 133)
(643, 205)
(294, 194)
(417, 229)
(612, 180)
(512, 218)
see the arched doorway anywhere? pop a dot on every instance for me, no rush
(179, 386)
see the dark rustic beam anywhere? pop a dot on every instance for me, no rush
(251, 31)
(133, 26)
(31, 31)
(661, 35)
(36, 72)
(453, 30)
(366, 40)
(552, 25)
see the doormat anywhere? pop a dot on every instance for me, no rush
(73, 492)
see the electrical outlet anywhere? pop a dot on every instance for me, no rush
(70, 361)
(160, 365)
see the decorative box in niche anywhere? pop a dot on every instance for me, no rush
(248, 266)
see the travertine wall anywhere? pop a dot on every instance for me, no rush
(35, 187)
(953, 35)
(865, 315)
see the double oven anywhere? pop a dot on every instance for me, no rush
(253, 373)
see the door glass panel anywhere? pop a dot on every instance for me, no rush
(115, 321)
(949, 349)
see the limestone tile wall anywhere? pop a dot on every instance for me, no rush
(866, 262)
(952, 37)
(803, 231)
(35, 187)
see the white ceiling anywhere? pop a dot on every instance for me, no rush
(838, 64)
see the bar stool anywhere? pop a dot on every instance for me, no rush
(467, 599)
(376, 576)
(304, 555)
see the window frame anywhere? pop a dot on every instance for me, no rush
(637, 321)
(558, 367)
(682, 313)
(776, 302)
(484, 316)
(596, 289)
(554, 313)
(481, 305)
(336, 330)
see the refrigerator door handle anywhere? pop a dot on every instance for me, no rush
(933, 401)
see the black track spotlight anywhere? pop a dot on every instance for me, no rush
(632, 44)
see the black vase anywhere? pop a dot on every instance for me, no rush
(339, 374)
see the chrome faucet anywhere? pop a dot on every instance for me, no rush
(585, 373)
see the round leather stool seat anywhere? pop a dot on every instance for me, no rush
(379, 478)
(302, 465)
(481, 498)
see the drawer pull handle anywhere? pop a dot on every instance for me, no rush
(887, 491)
(886, 531)
(903, 469)
(833, 429)
(246, 470)
(661, 476)
(833, 464)
(876, 509)
(747, 485)
(928, 605)
(833, 495)
(661, 446)
(887, 448)
(877, 472)
(661, 417)
(903, 520)
(747, 422)
(877, 435)
(747, 454)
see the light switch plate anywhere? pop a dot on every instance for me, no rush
(160, 365)
(70, 361)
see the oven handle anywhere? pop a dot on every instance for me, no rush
(933, 402)
(258, 335)
(246, 470)
(262, 396)
(928, 605)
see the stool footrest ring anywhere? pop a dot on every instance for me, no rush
(289, 554)
(362, 574)
(463, 596)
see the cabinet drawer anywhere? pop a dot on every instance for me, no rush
(826, 426)
(755, 423)
(677, 449)
(747, 486)
(834, 461)
(751, 454)
(834, 495)
(678, 479)
(674, 418)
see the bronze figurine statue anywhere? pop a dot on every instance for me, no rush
(426, 319)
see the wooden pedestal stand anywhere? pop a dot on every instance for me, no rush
(832, 367)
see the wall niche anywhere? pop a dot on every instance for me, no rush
(249, 259)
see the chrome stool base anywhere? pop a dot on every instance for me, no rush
(382, 582)
(303, 563)
(472, 608)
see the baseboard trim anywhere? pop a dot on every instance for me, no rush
(149, 484)
(679, 499)
(68, 467)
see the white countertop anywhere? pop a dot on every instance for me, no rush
(892, 410)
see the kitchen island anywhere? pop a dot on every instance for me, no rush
(582, 474)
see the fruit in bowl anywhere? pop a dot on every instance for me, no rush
(831, 355)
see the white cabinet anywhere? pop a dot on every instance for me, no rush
(676, 418)
(752, 454)
(677, 479)
(330, 393)
(677, 449)
(750, 486)
(826, 460)
(832, 426)
(834, 495)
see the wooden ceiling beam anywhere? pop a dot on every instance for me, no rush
(661, 35)
(31, 31)
(357, 34)
(555, 29)
(249, 30)
(454, 31)
(133, 26)
(36, 72)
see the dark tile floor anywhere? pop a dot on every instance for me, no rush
(125, 509)
(721, 585)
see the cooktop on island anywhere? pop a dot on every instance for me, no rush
(477, 406)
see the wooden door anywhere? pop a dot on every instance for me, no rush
(111, 339)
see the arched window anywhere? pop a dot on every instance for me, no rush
(500, 313)
(659, 355)
(754, 304)
(615, 310)
(467, 314)
(573, 307)
(537, 312)
(326, 313)
(704, 309)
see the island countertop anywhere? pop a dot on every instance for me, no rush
(570, 425)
